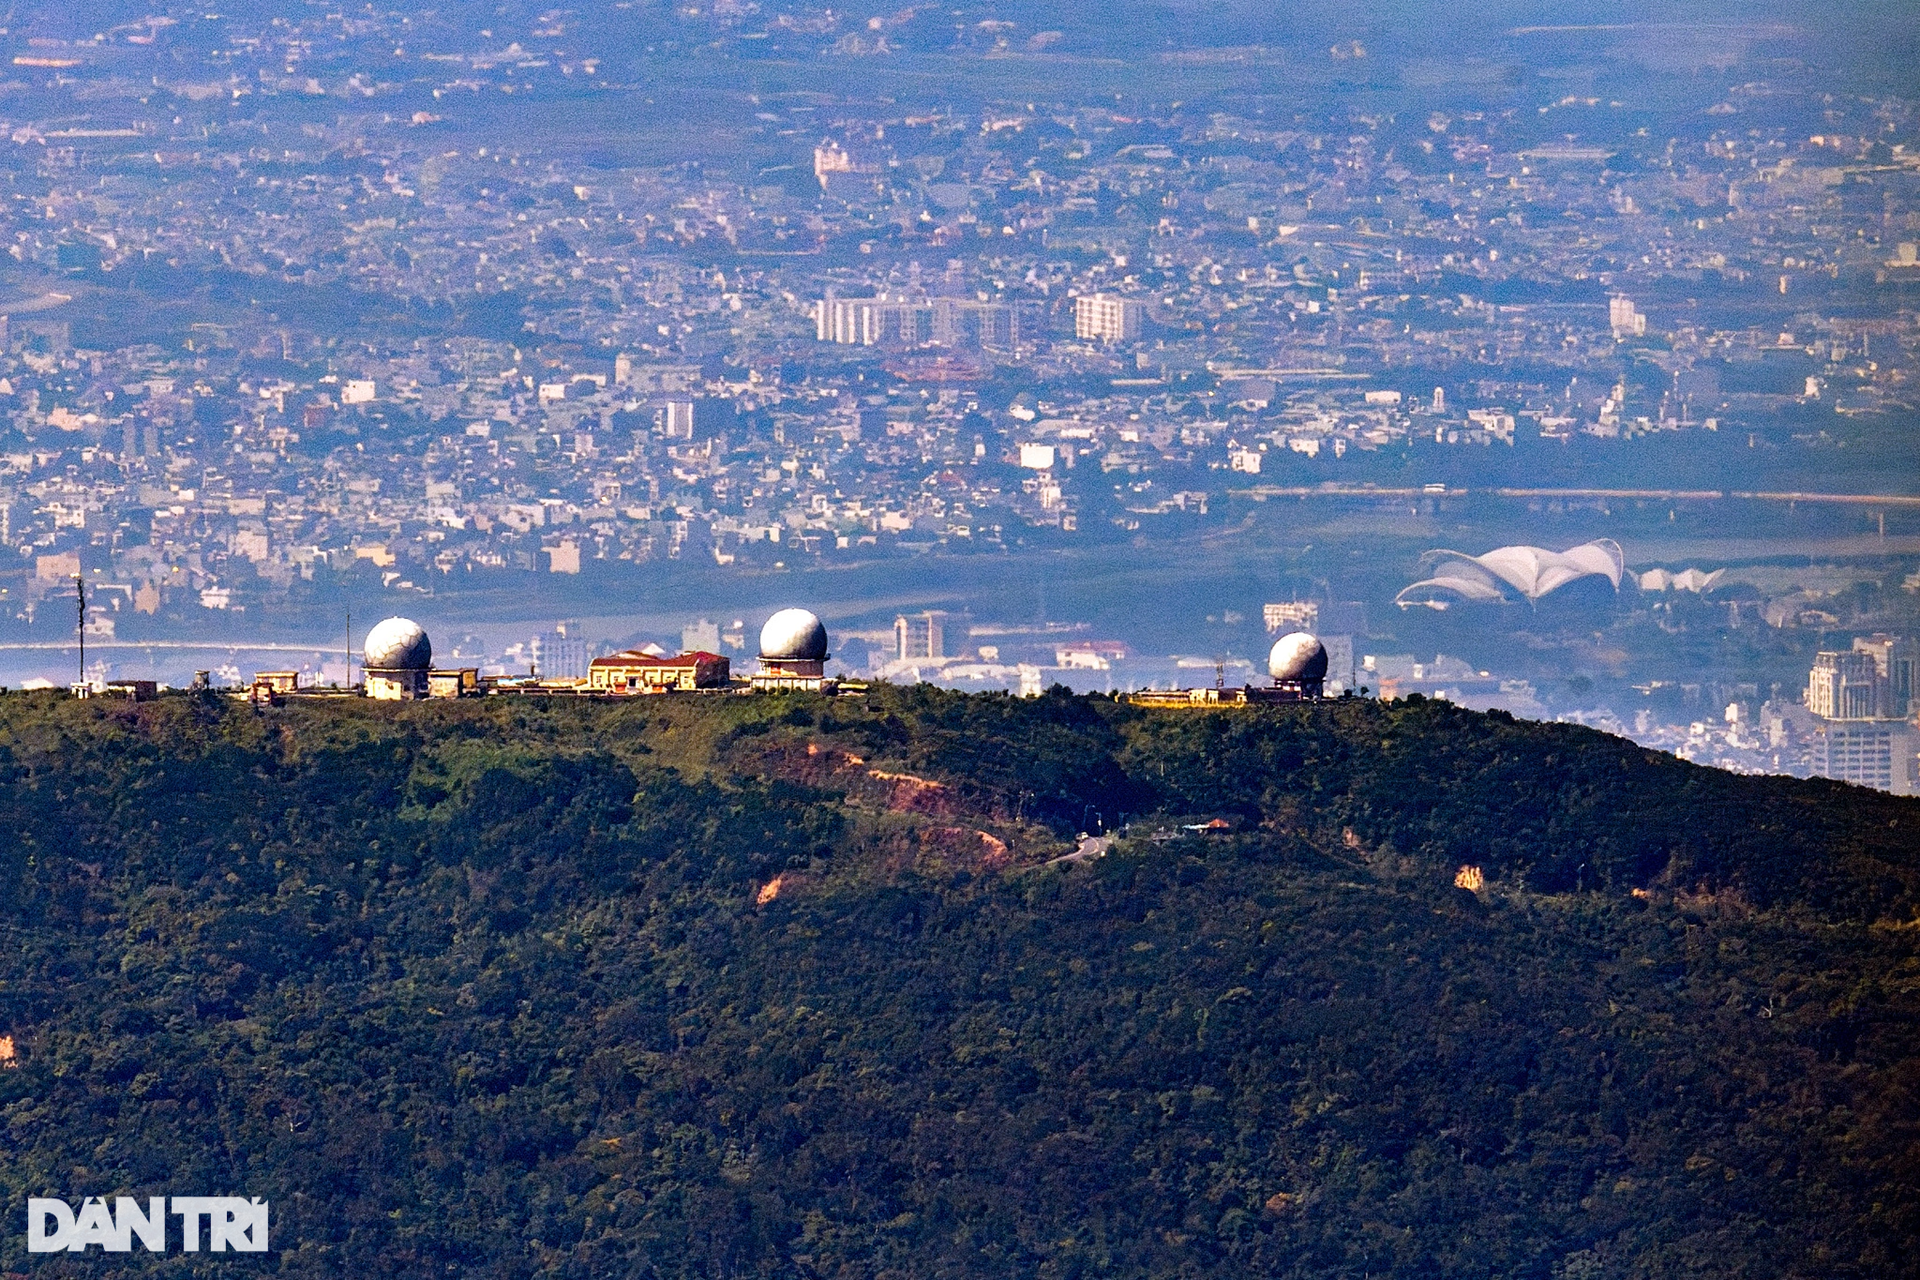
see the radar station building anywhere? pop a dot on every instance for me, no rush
(1297, 665)
(398, 658)
(399, 666)
(793, 654)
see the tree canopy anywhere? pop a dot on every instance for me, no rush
(792, 987)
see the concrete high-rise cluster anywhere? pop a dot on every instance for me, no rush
(920, 322)
(1862, 696)
(1874, 680)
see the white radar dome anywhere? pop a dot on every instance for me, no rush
(398, 644)
(1298, 656)
(794, 635)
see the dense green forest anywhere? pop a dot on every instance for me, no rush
(789, 987)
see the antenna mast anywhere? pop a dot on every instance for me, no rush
(80, 593)
(348, 652)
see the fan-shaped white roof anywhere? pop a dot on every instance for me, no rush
(1686, 580)
(1532, 572)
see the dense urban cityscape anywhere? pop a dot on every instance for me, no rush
(1094, 373)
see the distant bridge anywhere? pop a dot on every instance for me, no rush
(204, 646)
(1625, 495)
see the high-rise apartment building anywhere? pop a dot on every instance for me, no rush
(1625, 318)
(1291, 615)
(909, 322)
(829, 158)
(1879, 754)
(974, 325)
(848, 321)
(920, 636)
(1845, 685)
(1103, 317)
(561, 653)
(1896, 661)
(1339, 649)
(676, 419)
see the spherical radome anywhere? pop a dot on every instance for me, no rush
(1298, 656)
(398, 644)
(794, 635)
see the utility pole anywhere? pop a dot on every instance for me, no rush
(80, 593)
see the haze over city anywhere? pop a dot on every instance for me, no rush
(1022, 344)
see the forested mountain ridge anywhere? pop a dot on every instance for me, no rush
(784, 987)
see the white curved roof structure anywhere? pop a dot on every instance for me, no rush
(1530, 573)
(793, 635)
(398, 644)
(1687, 580)
(1297, 656)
